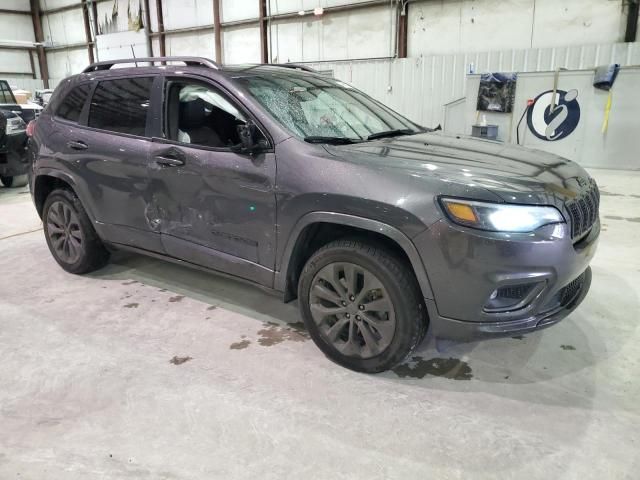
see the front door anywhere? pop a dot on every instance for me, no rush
(214, 207)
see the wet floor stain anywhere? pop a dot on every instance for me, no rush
(604, 193)
(518, 337)
(212, 307)
(132, 282)
(180, 360)
(275, 333)
(419, 367)
(628, 219)
(131, 305)
(177, 298)
(242, 344)
(567, 347)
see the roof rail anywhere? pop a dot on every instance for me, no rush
(295, 66)
(189, 61)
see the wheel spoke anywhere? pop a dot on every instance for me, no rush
(371, 343)
(370, 283)
(336, 329)
(351, 278)
(326, 311)
(320, 291)
(386, 328)
(379, 305)
(54, 229)
(330, 276)
(75, 235)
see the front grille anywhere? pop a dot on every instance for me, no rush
(570, 291)
(583, 211)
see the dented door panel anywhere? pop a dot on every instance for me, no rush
(218, 200)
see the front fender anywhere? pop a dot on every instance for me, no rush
(388, 231)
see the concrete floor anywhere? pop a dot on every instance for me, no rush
(146, 370)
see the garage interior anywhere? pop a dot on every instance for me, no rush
(146, 369)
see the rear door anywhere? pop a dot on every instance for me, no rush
(215, 207)
(111, 153)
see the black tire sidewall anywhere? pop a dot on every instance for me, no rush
(405, 333)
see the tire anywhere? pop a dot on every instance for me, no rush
(70, 236)
(15, 181)
(386, 322)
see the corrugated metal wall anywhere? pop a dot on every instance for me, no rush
(420, 87)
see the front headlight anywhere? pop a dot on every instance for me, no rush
(500, 217)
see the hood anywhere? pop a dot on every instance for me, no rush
(516, 174)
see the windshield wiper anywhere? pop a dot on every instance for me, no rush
(330, 140)
(391, 133)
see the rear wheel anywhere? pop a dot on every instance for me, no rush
(361, 305)
(71, 238)
(15, 181)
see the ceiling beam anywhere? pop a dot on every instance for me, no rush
(5, 11)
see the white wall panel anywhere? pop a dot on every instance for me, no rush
(348, 35)
(232, 10)
(16, 27)
(288, 6)
(22, 5)
(65, 63)
(51, 4)
(15, 61)
(479, 25)
(421, 86)
(241, 45)
(24, 83)
(187, 13)
(64, 28)
(199, 44)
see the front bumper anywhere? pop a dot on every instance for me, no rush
(13, 155)
(466, 266)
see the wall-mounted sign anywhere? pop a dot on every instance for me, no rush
(556, 124)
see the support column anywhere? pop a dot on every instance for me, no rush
(264, 42)
(161, 36)
(403, 20)
(217, 32)
(87, 30)
(37, 30)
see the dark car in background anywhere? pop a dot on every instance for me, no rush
(304, 185)
(13, 139)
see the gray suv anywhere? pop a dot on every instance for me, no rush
(304, 185)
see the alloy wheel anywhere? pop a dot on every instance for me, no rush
(352, 309)
(65, 235)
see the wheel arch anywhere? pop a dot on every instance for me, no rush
(49, 180)
(318, 228)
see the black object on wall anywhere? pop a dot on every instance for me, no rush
(496, 92)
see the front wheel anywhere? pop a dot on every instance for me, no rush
(361, 305)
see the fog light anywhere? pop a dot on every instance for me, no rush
(511, 297)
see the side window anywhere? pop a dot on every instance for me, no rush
(6, 96)
(121, 105)
(199, 114)
(71, 106)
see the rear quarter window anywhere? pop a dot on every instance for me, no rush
(71, 107)
(121, 105)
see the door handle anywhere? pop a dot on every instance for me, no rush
(77, 145)
(169, 161)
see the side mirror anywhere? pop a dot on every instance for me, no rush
(249, 141)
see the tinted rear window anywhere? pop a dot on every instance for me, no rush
(71, 107)
(121, 105)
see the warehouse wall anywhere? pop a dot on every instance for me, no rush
(14, 29)
(453, 26)
(420, 87)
